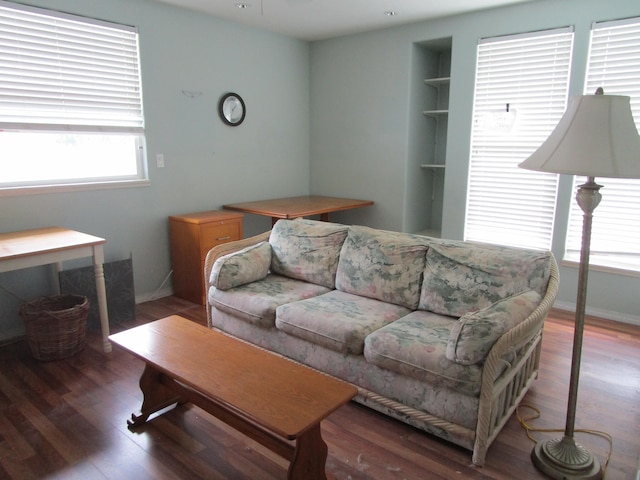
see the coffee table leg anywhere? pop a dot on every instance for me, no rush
(309, 457)
(155, 396)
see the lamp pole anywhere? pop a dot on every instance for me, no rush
(563, 458)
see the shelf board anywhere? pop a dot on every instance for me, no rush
(432, 165)
(430, 232)
(435, 82)
(435, 113)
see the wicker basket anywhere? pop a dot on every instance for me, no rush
(56, 325)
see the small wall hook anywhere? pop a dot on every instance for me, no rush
(191, 93)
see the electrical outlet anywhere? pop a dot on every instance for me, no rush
(160, 160)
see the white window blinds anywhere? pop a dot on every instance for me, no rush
(520, 94)
(60, 72)
(614, 65)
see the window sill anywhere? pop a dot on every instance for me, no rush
(72, 187)
(602, 268)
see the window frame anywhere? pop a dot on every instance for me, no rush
(87, 81)
(620, 205)
(505, 132)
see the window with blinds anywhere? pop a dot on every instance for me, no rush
(521, 92)
(70, 100)
(614, 65)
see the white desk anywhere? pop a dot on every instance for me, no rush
(54, 245)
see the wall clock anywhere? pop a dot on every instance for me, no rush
(232, 109)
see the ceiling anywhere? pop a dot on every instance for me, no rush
(321, 19)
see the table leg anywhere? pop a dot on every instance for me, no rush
(309, 457)
(155, 396)
(101, 291)
(56, 279)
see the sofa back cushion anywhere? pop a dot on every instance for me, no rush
(383, 265)
(307, 250)
(463, 277)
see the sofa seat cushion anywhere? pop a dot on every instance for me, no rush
(256, 302)
(462, 277)
(337, 320)
(444, 403)
(307, 250)
(416, 346)
(383, 265)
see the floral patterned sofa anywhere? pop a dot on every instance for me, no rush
(443, 335)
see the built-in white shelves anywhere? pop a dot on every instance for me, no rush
(442, 96)
(439, 101)
(431, 84)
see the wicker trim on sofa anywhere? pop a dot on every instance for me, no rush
(500, 397)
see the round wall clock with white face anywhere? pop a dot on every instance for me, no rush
(232, 109)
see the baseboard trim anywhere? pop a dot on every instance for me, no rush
(148, 297)
(606, 314)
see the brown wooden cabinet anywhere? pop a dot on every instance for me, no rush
(191, 237)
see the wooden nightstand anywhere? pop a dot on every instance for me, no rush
(191, 237)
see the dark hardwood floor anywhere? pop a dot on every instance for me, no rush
(67, 419)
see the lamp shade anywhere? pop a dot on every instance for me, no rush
(595, 137)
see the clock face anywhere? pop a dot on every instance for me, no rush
(232, 109)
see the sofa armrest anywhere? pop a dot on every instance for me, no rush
(501, 390)
(239, 268)
(225, 249)
(525, 331)
(474, 334)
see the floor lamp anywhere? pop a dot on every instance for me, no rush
(596, 137)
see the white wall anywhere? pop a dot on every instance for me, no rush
(363, 144)
(207, 163)
(359, 115)
(330, 118)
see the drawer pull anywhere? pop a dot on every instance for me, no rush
(224, 238)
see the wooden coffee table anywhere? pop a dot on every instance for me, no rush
(272, 400)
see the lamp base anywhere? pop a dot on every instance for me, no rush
(564, 459)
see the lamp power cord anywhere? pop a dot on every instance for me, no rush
(536, 414)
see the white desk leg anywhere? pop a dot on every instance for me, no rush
(101, 291)
(56, 278)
